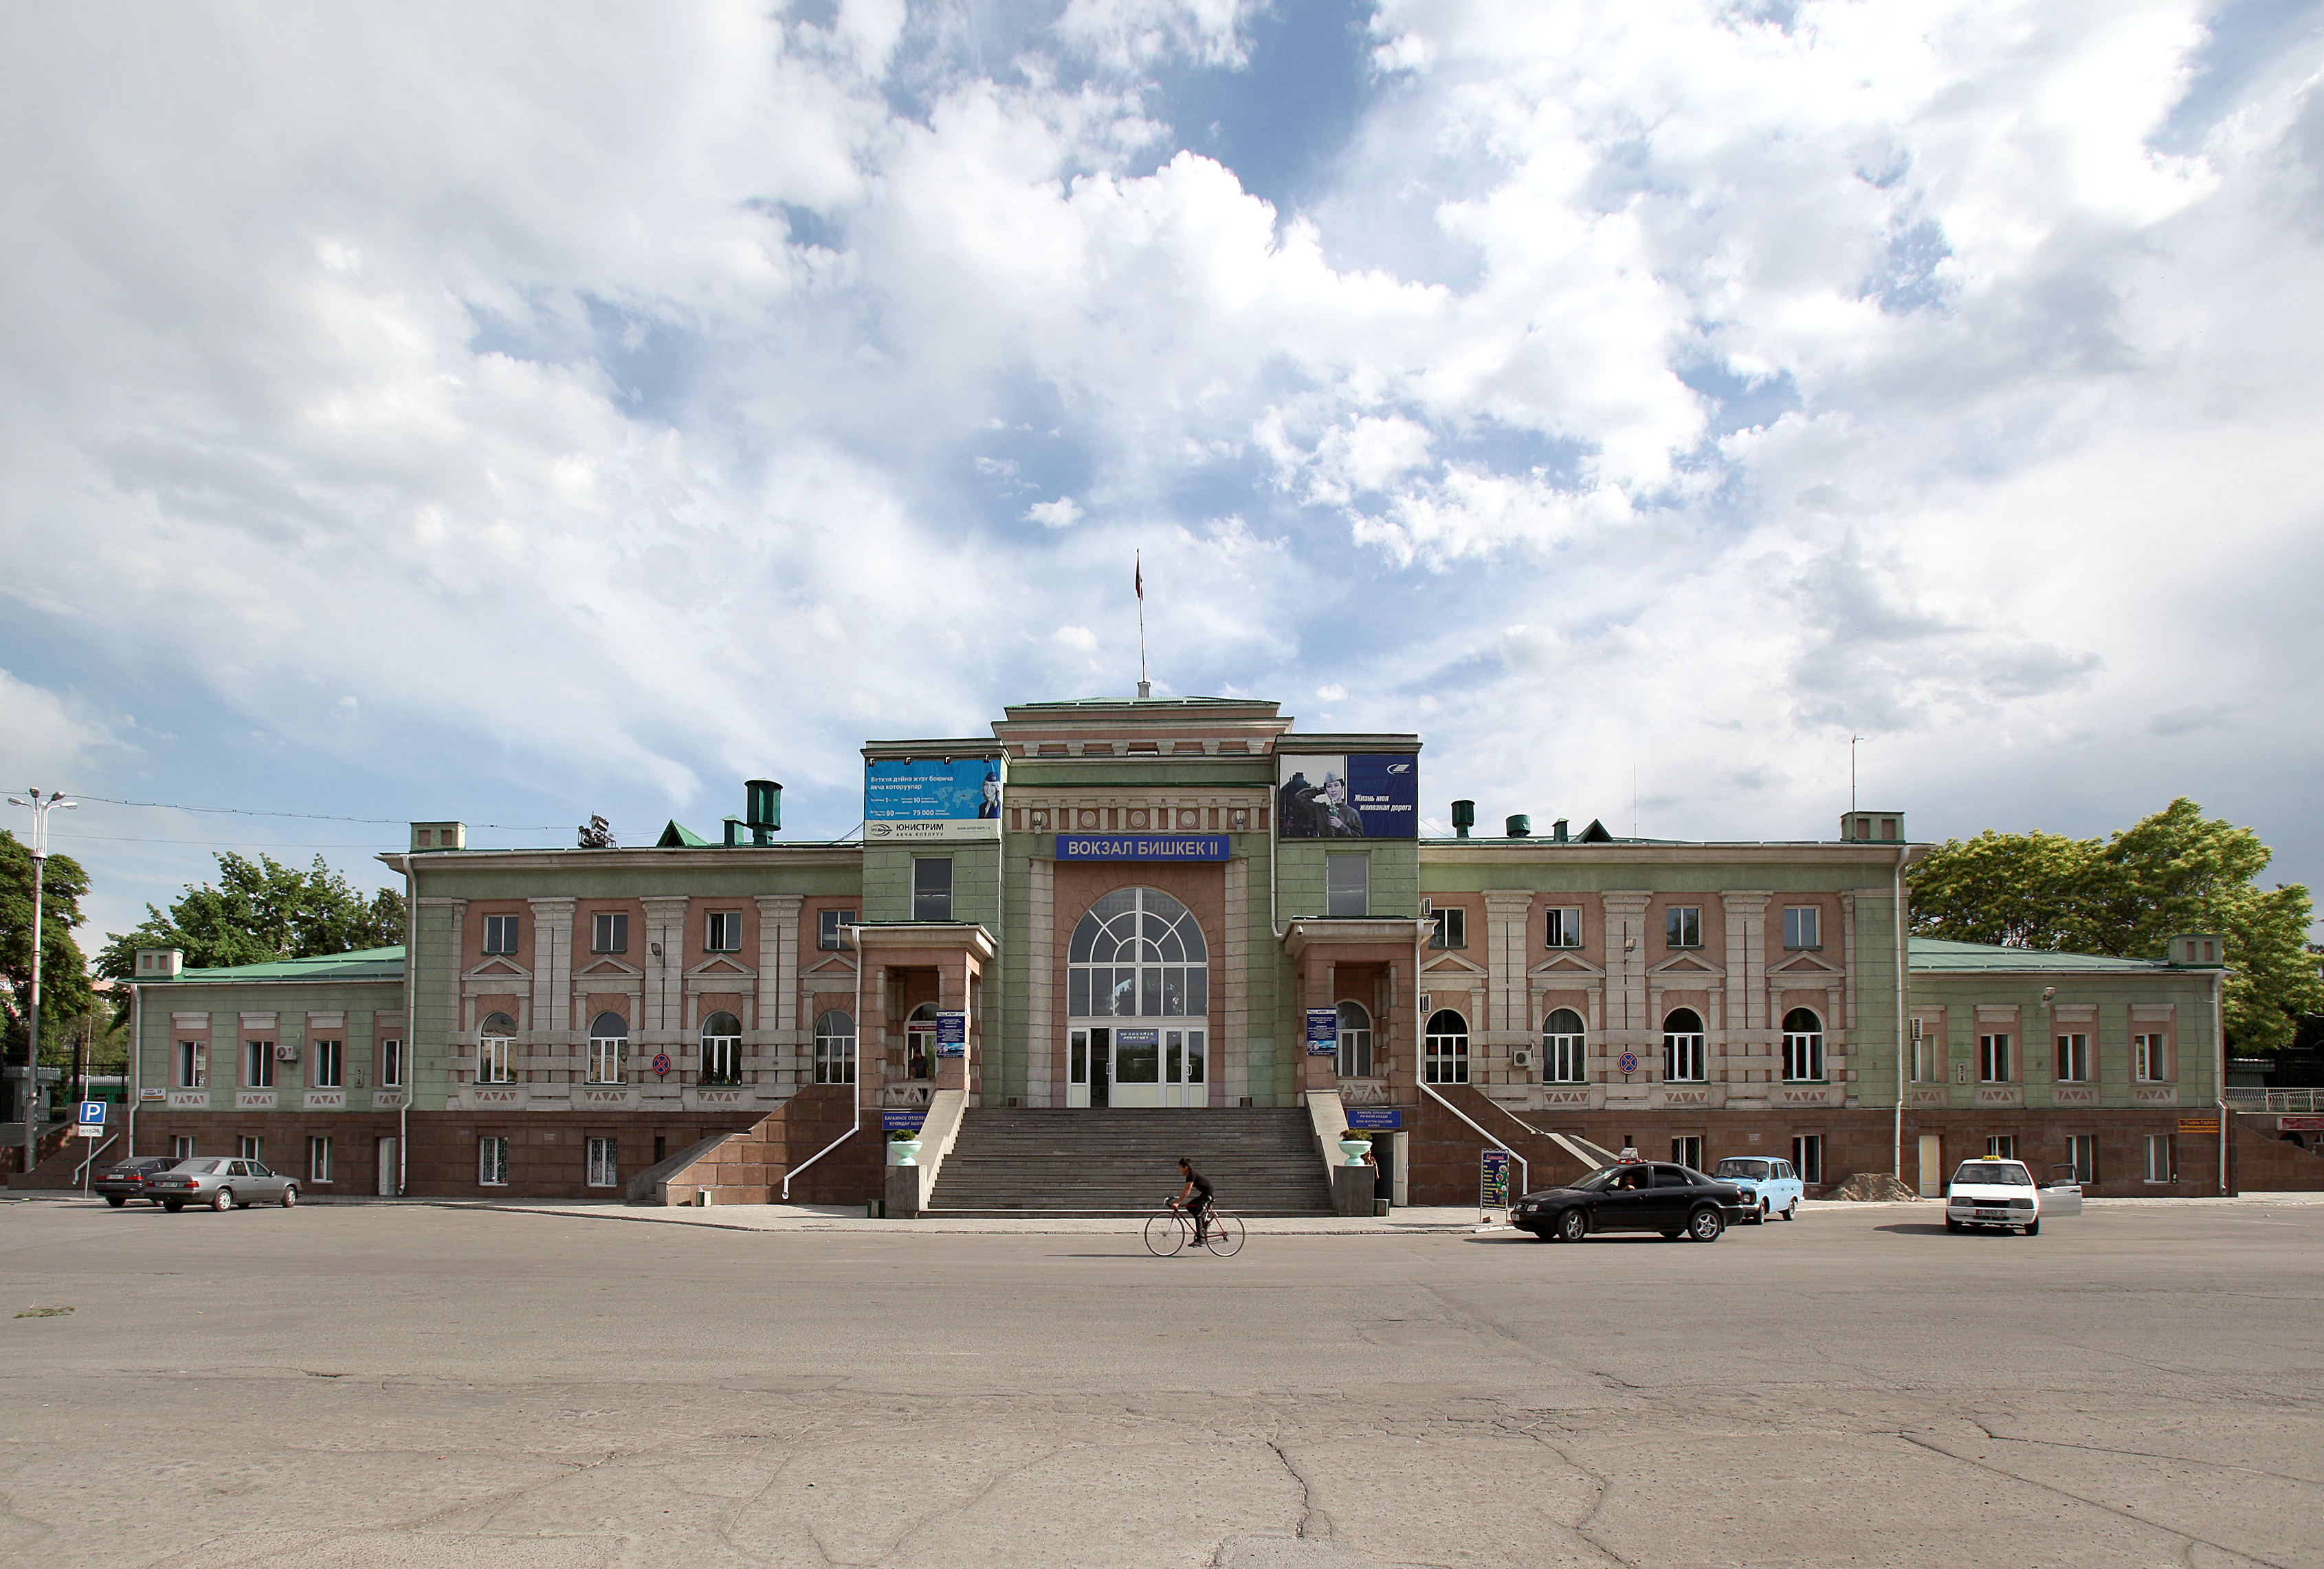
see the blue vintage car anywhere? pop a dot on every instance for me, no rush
(1770, 1187)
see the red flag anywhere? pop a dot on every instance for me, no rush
(1138, 568)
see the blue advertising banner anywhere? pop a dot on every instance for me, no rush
(1323, 1032)
(952, 1034)
(1352, 796)
(1376, 1117)
(1145, 847)
(932, 797)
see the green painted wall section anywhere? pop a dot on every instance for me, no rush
(360, 1001)
(2113, 996)
(1395, 876)
(750, 874)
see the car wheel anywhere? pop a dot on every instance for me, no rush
(1953, 1225)
(1791, 1211)
(1572, 1226)
(290, 1196)
(1706, 1225)
(173, 1205)
(221, 1200)
(116, 1200)
(1761, 1218)
(2034, 1229)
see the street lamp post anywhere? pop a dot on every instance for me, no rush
(42, 806)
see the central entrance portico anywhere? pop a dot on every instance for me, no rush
(1138, 990)
(1136, 1066)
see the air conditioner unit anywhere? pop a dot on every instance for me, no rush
(288, 1051)
(1520, 1060)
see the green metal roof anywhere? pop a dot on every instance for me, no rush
(679, 837)
(1938, 956)
(364, 965)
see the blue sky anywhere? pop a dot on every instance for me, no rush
(415, 415)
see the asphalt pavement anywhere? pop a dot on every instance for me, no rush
(430, 1385)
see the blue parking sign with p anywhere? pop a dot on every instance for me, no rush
(92, 1114)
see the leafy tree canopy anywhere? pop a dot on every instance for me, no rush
(259, 911)
(2126, 896)
(65, 991)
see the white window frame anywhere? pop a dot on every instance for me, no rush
(609, 931)
(1807, 1156)
(830, 935)
(1355, 1056)
(721, 932)
(1803, 927)
(2150, 1057)
(493, 1053)
(1686, 1055)
(2082, 1150)
(930, 902)
(249, 1147)
(604, 1163)
(1145, 977)
(1562, 928)
(2162, 1157)
(182, 1146)
(260, 1065)
(493, 1161)
(1345, 899)
(501, 934)
(2074, 1058)
(1683, 926)
(193, 1064)
(319, 1157)
(1993, 1059)
(834, 1054)
(326, 1066)
(1803, 1052)
(1565, 1054)
(391, 1064)
(608, 1059)
(2001, 1147)
(1686, 1150)
(1450, 927)
(1446, 1059)
(722, 1057)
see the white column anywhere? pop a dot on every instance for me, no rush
(1040, 979)
(662, 1021)
(1234, 1050)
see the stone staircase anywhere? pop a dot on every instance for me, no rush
(1117, 1162)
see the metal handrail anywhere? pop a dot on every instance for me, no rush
(80, 1178)
(2254, 1098)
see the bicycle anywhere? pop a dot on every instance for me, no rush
(1169, 1229)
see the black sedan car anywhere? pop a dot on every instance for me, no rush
(133, 1179)
(1638, 1195)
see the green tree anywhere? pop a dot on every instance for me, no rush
(258, 912)
(65, 991)
(2172, 871)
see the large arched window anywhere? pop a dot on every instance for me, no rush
(1561, 1048)
(721, 1050)
(834, 1049)
(1138, 953)
(494, 1042)
(609, 1048)
(1683, 1052)
(1802, 1046)
(1355, 1041)
(1447, 1048)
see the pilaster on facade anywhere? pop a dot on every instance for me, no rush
(1626, 962)
(552, 966)
(1235, 1024)
(779, 948)
(662, 1021)
(1041, 1066)
(1745, 921)
(1508, 1019)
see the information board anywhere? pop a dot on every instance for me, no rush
(1323, 1032)
(1145, 847)
(1493, 1179)
(1376, 1119)
(1347, 796)
(952, 1034)
(919, 798)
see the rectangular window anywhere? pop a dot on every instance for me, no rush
(500, 934)
(391, 1065)
(319, 1159)
(722, 1059)
(492, 1060)
(1802, 926)
(1683, 1057)
(2001, 1147)
(609, 932)
(726, 933)
(1446, 1057)
(1993, 1059)
(605, 1170)
(1688, 1152)
(2162, 1157)
(1683, 926)
(249, 1147)
(1807, 1156)
(831, 933)
(193, 1064)
(2149, 1059)
(328, 1070)
(1347, 886)
(1564, 927)
(1562, 1058)
(1451, 929)
(932, 889)
(606, 1053)
(182, 1146)
(1803, 1056)
(2082, 1150)
(262, 1064)
(491, 1161)
(2073, 1059)
(1928, 1053)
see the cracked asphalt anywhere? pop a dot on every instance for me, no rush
(333, 1386)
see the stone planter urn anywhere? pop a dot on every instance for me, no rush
(1355, 1150)
(904, 1152)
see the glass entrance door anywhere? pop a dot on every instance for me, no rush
(1159, 1067)
(1089, 1066)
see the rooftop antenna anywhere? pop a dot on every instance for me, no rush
(1852, 740)
(1137, 580)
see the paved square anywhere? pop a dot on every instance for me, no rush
(414, 1385)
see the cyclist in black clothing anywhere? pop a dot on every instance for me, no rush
(1196, 1196)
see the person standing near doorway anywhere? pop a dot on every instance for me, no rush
(1196, 1197)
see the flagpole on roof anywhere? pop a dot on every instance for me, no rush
(1137, 581)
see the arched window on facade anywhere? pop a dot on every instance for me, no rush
(1802, 1046)
(1683, 1048)
(495, 1041)
(1355, 1041)
(609, 1048)
(834, 1049)
(920, 1043)
(1562, 1061)
(1446, 1059)
(721, 1050)
(1138, 953)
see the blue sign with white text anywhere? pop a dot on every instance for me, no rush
(92, 1114)
(1347, 796)
(1376, 1117)
(1323, 1032)
(1145, 847)
(891, 1120)
(899, 790)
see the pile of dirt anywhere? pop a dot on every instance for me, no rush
(1872, 1187)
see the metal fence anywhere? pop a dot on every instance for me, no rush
(2245, 1099)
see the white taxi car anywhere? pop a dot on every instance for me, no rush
(1994, 1192)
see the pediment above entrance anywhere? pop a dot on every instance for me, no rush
(1566, 966)
(1685, 967)
(1809, 967)
(720, 966)
(606, 969)
(1445, 966)
(498, 968)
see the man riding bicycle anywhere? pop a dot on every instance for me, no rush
(1194, 1198)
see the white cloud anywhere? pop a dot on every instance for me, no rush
(1062, 514)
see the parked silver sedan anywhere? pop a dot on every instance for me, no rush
(221, 1183)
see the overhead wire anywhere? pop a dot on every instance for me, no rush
(310, 816)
